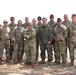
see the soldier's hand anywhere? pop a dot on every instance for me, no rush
(39, 42)
(49, 42)
(14, 42)
(57, 39)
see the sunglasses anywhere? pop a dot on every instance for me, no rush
(5, 22)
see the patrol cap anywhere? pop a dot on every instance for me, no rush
(12, 18)
(59, 20)
(51, 16)
(39, 18)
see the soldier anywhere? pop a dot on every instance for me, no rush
(39, 24)
(45, 38)
(5, 32)
(34, 23)
(18, 42)
(60, 43)
(30, 45)
(25, 25)
(52, 24)
(12, 25)
(72, 35)
(67, 23)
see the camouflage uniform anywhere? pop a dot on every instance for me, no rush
(25, 25)
(18, 46)
(60, 46)
(67, 24)
(72, 35)
(30, 45)
(12, 26)
(52, 26)
(5, 41)
(37, 39)
(45, 35)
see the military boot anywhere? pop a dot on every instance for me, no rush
(33, 65)
(42, 62)
(0, 60)
(64, 64)
(71, 63)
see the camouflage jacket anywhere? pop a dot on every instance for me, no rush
(72, 34)
(60, 32)
(5, 33)
(25, 25)
(37, 31)
(30, 35)
(18, 34)
(67, 24)
(51, 24)
(45, 34)
(12, 26)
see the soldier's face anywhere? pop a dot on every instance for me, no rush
(19, 24)
(52, 19)
(44, 22)
(27, 19)
(74, 18)
(39, 21)
(65, 17)
(12, 20)
(59, 23)
(34, 21)
(5, 23)
(30, 27)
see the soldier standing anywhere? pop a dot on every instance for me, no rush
(5, 33)
(30, 45)
(39, 24)
(67, 23)
(60, 41)
(25, 26)
(18, 42)
(72, 35)
(52, 24)
(45, 38)
(12, 25)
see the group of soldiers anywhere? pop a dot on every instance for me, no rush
(27, 38)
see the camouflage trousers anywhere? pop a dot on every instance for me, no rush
(17, 53)
(72, 47)
(37, 50)
(49, 51)
(5, 44)
(67, 44)
(30, 51)
(60, 51)
(1, 51)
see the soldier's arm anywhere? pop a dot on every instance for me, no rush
(31, 36)
(51, 36)
(13, 35)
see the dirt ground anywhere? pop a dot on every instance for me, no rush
(43, 69)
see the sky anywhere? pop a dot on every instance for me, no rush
(34, 8)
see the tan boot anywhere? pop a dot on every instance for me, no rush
(71, 63)
(42, 62)
(64, 64)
